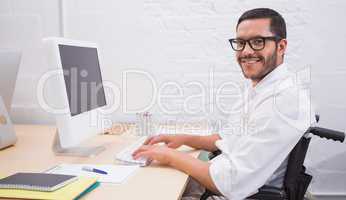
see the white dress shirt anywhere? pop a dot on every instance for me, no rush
(263, 128)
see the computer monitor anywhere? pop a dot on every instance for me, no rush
(9, 65)
(77, 85)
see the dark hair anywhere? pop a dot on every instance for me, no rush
(277, 22)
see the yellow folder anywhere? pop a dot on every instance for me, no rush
(70, 191)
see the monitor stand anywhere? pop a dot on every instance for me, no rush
(75, 151)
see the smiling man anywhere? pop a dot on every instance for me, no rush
(266, 39)
(266, 123)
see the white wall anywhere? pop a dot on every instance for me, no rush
(23, 24)
(182, 41)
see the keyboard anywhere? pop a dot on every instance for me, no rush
(125, 155)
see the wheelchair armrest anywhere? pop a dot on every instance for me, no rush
(269, 193)
(327, 133)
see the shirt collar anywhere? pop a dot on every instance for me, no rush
(278, 73)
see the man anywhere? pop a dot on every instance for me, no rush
(270, 118)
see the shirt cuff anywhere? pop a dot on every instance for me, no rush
(219, 171)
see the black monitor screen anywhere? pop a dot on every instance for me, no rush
(82, 78)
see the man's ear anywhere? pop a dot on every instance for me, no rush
(282, 45)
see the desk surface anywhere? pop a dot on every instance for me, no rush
(32, 153)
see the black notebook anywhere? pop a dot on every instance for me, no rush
(36, 181)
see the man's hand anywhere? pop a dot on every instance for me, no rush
(162, 154)
(172, 141)
(198, 169)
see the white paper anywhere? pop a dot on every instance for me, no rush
(117, 174)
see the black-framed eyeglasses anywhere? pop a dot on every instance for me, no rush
(256, 43)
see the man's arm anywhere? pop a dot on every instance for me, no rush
(174, 141)
(194, 167)
(203, 142)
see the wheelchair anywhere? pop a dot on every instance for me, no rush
(296, 180)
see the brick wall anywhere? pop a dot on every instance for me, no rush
(180, 41)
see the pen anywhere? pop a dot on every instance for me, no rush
(91, 169)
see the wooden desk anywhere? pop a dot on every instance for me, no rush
(32, 153)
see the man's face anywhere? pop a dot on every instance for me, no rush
(257, 64)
